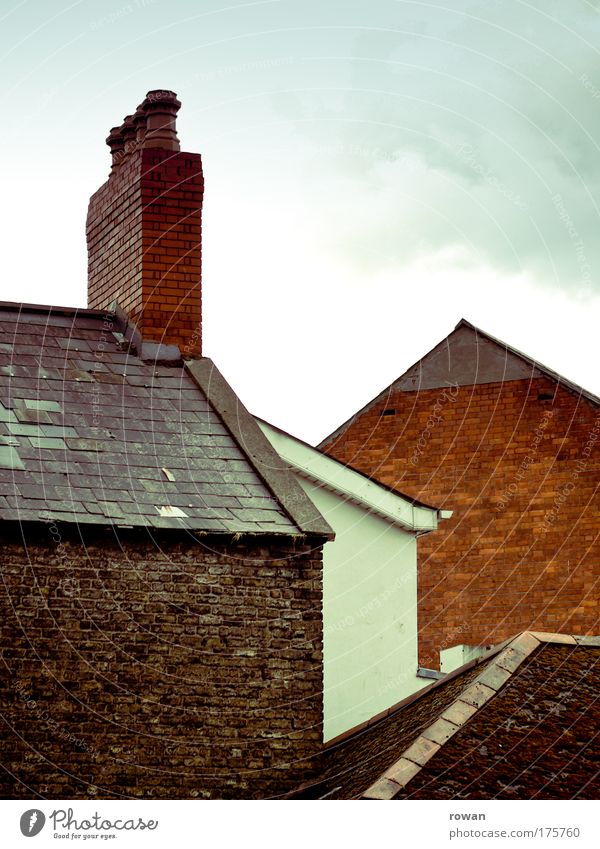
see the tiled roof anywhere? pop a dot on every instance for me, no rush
(520, 723)
(91, 433)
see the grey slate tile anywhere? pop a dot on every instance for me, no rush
(9, 458)
(26, 416)
(7, 415)
(48, 442)
(25, 429)
(48, 406)
(77, 444)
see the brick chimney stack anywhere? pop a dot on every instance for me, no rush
(144, 228)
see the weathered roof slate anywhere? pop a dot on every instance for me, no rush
(90, 433)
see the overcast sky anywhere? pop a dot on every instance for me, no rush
(374, 172)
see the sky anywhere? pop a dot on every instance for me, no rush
(375, 171)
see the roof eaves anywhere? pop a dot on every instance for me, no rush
(384, 486)
(264, 459)
(328, 473)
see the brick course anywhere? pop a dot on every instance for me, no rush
(518, 463)
(179, 669)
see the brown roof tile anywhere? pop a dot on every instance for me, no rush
(532, 734)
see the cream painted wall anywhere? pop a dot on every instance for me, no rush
(369, 612)
(452, 658)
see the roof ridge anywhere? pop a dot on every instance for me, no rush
(51, 308)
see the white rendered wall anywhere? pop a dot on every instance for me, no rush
(452, 658)
(369, 613)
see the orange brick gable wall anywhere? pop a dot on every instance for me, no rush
(144, 245)
(520, 470)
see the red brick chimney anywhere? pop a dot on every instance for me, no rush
(144, 228)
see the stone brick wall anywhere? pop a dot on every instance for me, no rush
(518, 463)
(144, 245)
(166, 669)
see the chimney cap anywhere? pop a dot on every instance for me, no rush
(161, 95)
(161, 107)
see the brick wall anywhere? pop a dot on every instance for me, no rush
(144, 245)
(167, 670)
(518, 463)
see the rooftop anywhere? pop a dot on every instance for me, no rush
(521, 722)
(97, 427)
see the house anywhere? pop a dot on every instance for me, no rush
(160, 616)
(512, 448)
(520, 722)
(370, 659)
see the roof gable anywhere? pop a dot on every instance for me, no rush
(465, 357)
(468, 356)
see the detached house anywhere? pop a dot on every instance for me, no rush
(513, 449)
(160, 621)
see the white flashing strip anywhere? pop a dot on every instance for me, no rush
(325, 471)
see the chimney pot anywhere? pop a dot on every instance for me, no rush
(161, 108)
(139, 122)
(128, 131)
(117, 147)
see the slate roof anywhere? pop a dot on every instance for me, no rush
(519, 723)
(91, 433)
